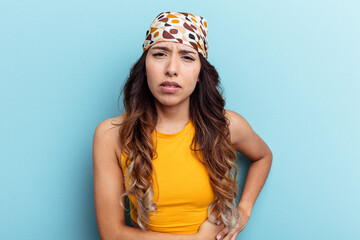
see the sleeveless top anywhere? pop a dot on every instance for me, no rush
(182, 190)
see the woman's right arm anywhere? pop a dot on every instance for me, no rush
(108, 187)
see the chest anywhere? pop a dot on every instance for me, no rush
(180, 178)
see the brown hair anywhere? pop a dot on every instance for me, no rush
(211, 140)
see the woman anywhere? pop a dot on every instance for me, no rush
(173, 151)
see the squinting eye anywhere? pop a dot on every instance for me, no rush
(189, 58)
(158, 54)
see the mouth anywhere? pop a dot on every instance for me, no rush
(170, 84)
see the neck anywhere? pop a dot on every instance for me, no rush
(172, 119)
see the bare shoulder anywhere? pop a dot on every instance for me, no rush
(109, 127)
(106, 135)
(244, 138)
(239, 127)
(237, 121)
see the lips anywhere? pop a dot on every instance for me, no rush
(170, 84)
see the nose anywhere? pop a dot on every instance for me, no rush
(172, 66)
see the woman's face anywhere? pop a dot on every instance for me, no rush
(172, 71)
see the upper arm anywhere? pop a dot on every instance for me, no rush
(108, 180)
(244, 138)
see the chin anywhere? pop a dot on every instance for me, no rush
(168, 103)
(171, 102)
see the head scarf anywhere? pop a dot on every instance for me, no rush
(179, 27)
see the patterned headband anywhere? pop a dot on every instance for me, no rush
(179, 27)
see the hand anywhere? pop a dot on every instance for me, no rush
(208, 230)
(241, 223)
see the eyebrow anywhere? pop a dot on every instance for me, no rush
(168, 50)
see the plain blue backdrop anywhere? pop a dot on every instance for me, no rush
(291, 68)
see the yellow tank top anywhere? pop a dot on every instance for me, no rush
(183, 193)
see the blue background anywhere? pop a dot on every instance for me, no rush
(291, 68)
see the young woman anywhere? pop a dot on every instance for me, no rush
(173, 150)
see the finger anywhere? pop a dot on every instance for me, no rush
(231, 235)
(242, 227)
(228, 237)
(222, 233)
(234, 237)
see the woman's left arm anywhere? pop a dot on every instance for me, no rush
(248, 143)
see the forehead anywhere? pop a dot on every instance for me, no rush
(174, 45)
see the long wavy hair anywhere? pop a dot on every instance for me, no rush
(211, 142)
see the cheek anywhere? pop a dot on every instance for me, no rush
(151, 75)
(152, 70)
(194, 75)
(193, 79)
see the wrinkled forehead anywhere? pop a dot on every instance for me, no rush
(173, 46)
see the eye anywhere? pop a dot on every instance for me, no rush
(159, 54)
(189, 58)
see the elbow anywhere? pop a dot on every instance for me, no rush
(269, 156)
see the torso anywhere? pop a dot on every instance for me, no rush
(163, 223)
(183, 193)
